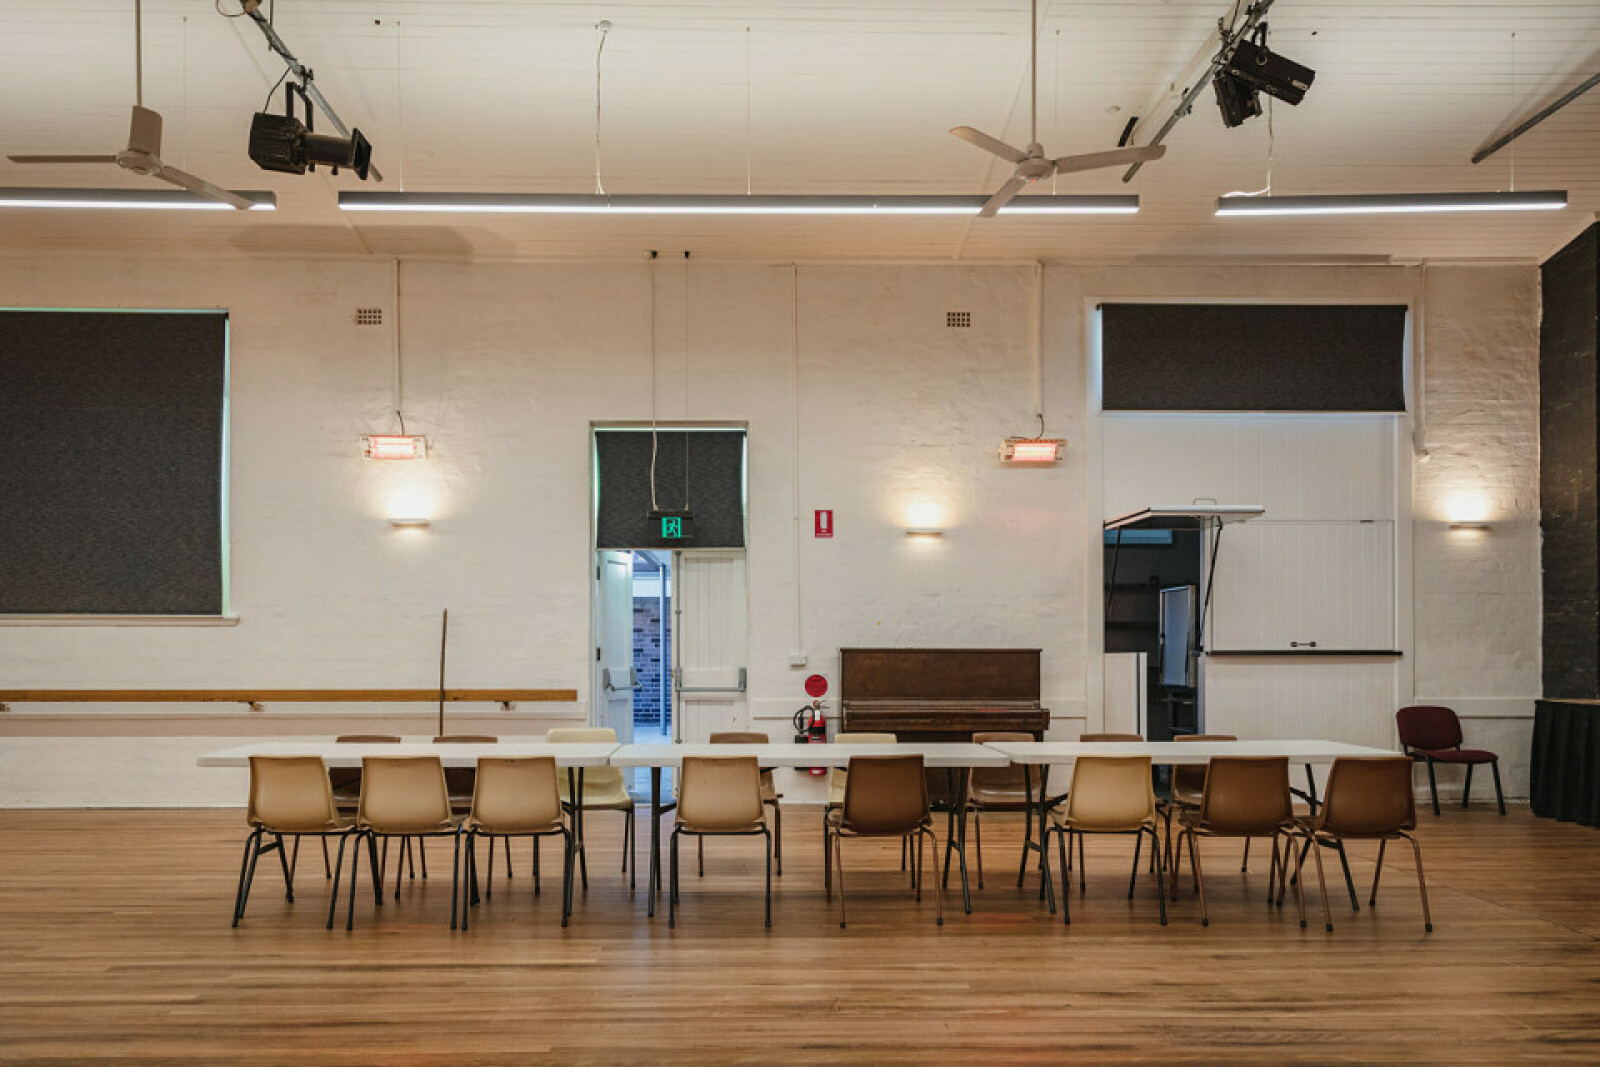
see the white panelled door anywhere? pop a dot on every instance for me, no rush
(709, 644)
(613, 673)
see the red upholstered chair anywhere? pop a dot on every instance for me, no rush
(1432, 734)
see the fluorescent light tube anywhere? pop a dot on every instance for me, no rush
(131, 199)
(1391, 203)
(561, 204)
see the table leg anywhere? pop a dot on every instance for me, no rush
(962, 779)
(654, 883)
(1046, 889)
(1027, 826)
(1311, 788)
(577, 830)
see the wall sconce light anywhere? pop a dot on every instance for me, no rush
(411, 524)
(924, 531)
(394, 446)
(1472, 524)
(1033, 450)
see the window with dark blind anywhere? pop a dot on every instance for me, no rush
(112, 487)
(696, 471)
(1252, 357)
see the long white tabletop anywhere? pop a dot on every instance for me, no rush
(1181, 753)
(461, 754)
(933, 753)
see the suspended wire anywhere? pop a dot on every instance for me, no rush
(268, 102)
(655, 437)
(138, 53)
(1055, 106)
(749, 126)
(1513, 160)
(604, 26)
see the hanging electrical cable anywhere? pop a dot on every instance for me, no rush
(604, 26)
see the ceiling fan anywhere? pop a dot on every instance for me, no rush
(1033, 165)
(143, 153)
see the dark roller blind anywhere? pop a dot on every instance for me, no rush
(714, 491)
(111, 486)
(1252, 357)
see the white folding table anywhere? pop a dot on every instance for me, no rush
(955, 757)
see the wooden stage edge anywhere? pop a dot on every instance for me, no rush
(117, 945)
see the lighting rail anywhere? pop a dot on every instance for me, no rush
(131, 199)
(1391, 203)
(560, 204)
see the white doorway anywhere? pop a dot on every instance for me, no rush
(711, 643)
(614, 679)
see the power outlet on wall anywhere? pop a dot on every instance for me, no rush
(797, 659)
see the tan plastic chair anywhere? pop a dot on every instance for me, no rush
(1108, 795)
(1088, 739)
(722, 796)
(603, 790)
(1244, 796)
(1187, 786)
(402, 796)
(460, 781)
(837, 778)
(1009, 788)
(885, 796)
(1369, 798)
(515, 797)
(288, 795)
(346, 783)
(769, 794)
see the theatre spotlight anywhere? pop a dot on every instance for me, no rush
(284, 143)
(1252, 69)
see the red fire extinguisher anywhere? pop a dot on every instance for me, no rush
(811, 727)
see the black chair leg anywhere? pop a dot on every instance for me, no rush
(338, 869)
(283, 861)
(767, 836)
(1064, 845)
(355, 876)
(469, 875)
(507, 840)
(777, 835)
(566, 875)
(1349, 882)
(1133, 879)
(1161, 889)
(488, 885)
(672, 882)
(377, 868)
(1499, 797)
(244, 867)
(1466, 787)
(327, 868)
(1433, 787)
(977, 842)
(455, 882)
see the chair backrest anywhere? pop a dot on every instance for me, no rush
(1108, 738)
(719, 792)
(1369, 795)
(596, 779)
(739, 737)
(348, 779)
(291, 794)
(516, 794)
(1246, 795)
(1111, 793)
(465, 739)
(1192, 780)
(885, 794)
(993, 779)
(838, 776)
(403, 795)
(1429, 727)
(367, 739)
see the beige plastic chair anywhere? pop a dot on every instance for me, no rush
(515, 797)
(1089, 739)
(1188, 783)
(1108, 795)
(346, 783)
(885, 796)
(288, 795)
(402, 796)
(837, 778)
(460, 782)
(603, 790)
(722, 796)
(1245, 796)
(1368, 798)
(1008, 788)
(769, 794)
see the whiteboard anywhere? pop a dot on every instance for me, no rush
(1304, 586)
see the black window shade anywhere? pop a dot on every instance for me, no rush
(1252, 357)
(111, 489)
(713, 491)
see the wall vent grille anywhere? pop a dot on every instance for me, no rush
(958, 320)
(369, 316)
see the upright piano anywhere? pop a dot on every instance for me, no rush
(940, 694)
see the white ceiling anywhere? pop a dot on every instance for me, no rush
(808, 96)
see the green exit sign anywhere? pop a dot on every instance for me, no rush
(672, 528)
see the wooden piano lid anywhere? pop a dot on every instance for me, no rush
(997, 676)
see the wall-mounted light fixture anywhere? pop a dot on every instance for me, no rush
(410, 524)
(591, 204)
(1473, 524)
(1033, 450)
(924, 531)
(1391, 203)
(394, 446)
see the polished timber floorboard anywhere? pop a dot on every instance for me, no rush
(115, 943)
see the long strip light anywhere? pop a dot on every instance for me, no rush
(559, 204)
(131, 199)
(1391, 203)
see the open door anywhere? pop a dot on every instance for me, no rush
(710, 644)
(613, 675)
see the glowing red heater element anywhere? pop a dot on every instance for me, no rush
(1033, 450)
(395, 446)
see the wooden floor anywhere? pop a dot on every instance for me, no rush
(115, 943)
